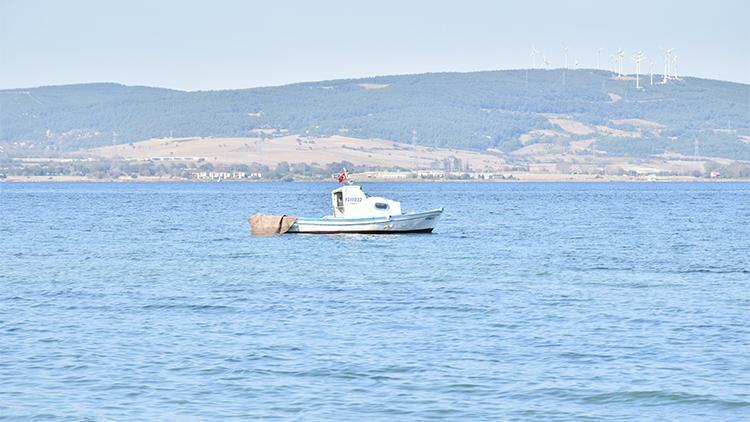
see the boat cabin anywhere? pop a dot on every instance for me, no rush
(351, 201)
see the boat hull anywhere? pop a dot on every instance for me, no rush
(423, 222)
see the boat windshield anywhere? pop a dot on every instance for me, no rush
(339, 201)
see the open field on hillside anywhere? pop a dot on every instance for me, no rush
(576, 157)
(296, 149)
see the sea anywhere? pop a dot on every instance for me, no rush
(530, 301)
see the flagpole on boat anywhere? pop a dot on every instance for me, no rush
(344, 177)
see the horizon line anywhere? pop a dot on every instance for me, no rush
(57, 85)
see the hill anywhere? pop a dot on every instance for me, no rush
(515, 113)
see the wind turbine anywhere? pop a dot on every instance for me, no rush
(638, 58)
(546, 62)
(671, 70)
(533, 54)
(667, 59)
(620, 55)
(652, 72)
(696, 148)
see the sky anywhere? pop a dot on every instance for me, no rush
(222, 44)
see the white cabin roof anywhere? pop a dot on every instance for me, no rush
(350, 201)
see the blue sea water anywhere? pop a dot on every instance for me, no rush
(131, 301)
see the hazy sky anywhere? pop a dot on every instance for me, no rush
(217, 44)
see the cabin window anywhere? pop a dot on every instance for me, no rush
(339, 201)
(381, 205)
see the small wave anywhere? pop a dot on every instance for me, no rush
(647, 269)
(659, 398)
(711, 271)
(586, 356)
(187, 307)
(464, 388)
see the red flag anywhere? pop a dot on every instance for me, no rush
(342, 177)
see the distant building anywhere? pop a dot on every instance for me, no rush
(222, 175)
(174, 158)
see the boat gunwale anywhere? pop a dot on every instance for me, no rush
(410, 231)
(368, 220)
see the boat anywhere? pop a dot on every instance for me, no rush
(353, 212)
(356, 212)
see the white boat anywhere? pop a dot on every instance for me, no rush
(356, 212)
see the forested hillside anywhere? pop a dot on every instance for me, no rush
(505, 110)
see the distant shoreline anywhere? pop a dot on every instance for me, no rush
(517, 178)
